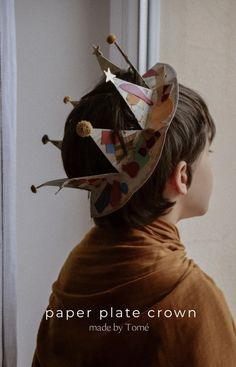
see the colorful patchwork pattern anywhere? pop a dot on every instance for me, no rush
(154, 109)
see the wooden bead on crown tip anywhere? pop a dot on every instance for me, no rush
(66, 99)
(33, 189)
(111, 38)
(84, 128)
(45, 139)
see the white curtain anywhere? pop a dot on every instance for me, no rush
(137, 27)
(8, 184)
(148, 34)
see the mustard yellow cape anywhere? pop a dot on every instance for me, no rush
(145, 270)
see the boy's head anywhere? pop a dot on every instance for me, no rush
(191, 200)
(181, 182)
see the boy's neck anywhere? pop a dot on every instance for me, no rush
(172, 217)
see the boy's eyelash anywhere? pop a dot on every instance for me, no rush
(210, 151)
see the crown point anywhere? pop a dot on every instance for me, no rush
(111, 38)
(109, 75)
(33, 189)
(66, 99)
(96, 50)
(45, 139)
(84, 128)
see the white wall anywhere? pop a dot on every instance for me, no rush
(199, 39)
(54, 39)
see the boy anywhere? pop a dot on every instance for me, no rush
(127, 295)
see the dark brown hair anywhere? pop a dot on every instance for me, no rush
(105, 108)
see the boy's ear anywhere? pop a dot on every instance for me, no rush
(179, 178)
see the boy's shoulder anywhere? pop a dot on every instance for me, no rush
(200, 292)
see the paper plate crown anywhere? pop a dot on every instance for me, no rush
(153, 106)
